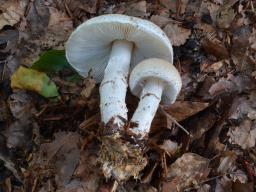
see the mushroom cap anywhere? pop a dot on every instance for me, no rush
(89, 46)
(160, 69)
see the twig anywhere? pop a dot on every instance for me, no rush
(174, 120)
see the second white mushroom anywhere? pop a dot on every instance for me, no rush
(153, 80)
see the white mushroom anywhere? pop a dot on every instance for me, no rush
(107, 45)
(152, 80)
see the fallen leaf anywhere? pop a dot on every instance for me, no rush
(33, 80)
(181, 110)
(231, 84)
(60, 24)
(138, 9)
(62, 155)
(37, 18)
(225, 18)
(186, 171)
(170, 147)
(215, 47)
(21, 105)
(214, 67)
(169, 4)
(177, 35)
(159, 20)
(11, 12)
(51, 61)
(244, 134)
(243, 107)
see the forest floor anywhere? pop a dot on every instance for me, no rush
(49, 141)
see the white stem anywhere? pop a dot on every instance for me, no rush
(114, 85)
(150, 98)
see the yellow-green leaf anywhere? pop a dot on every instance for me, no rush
(33, 80)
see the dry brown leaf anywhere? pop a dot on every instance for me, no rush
(138, 9)
(12, 12)
(178, 35)
(159, 20)
(186, 171)
(225, 18)
(244, 134)
(215, 47)
(231, 84)
(62, 155)
(181, 110)
(59, 22)
(214, 67)
(169, 4)
(243, 107)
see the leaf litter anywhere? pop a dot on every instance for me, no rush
(204, 142)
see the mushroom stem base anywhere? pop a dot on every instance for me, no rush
(121, 159)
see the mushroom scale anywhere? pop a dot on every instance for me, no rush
(153, 80)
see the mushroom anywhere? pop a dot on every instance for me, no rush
(153, 80)
(106, 46)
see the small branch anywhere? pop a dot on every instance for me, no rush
(174, 120)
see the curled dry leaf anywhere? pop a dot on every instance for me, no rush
(178, 35)
(11, 12)
(244, 134)
(214, 67)
(186, 171)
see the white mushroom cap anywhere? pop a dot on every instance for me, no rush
(156, 69)
(89, 46)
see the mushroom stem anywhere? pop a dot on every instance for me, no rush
(114, 85)
(150, 98)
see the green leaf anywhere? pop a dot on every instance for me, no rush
(52, 61)
(33, 80)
